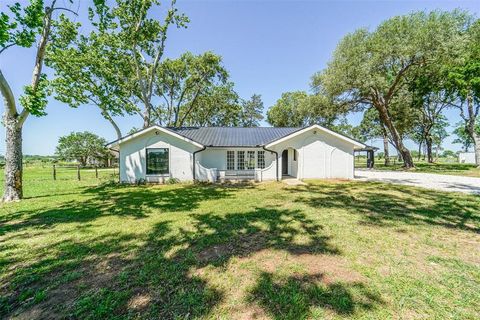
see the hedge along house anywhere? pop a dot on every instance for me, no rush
(212, 154)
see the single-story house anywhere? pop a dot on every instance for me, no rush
(156, 154)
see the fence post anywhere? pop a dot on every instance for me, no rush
(54, 173)
(78, 172)
(96, 172)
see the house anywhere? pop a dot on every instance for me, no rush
(466, 157)
(156, 154)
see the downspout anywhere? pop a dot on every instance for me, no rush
(194, 162)
(276, 160)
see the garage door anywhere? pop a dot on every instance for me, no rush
(314, 158)
(339, 164)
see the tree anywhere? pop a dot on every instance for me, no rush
(371, 127)
(85, 73)
(81, 146)
(23, 26)
(183, 83)
(464, 82)
(252, 111)
(463, 137)
(373, 68)
(298, 109)
(219, 107)
(115, 66)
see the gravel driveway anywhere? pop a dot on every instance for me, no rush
(424, 180)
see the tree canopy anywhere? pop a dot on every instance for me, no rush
(373, 68)
(81, 146)
(298, 108)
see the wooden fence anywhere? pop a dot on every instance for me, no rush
(63, 169)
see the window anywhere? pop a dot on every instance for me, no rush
(250, 160)
(230, 160)
(261, 159)
(240, 160)
(294, 155)
(157, 161)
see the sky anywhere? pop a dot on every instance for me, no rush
(269, 47)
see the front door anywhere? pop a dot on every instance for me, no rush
(285, 162)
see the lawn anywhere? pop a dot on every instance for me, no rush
(440, 167)
(92, 249)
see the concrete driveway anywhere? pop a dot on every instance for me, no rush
(424, 180)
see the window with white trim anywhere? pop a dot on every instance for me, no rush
(261, 159)
(230, 160)
(240, 160)
(250, 160)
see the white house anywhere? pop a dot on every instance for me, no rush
(214, 154)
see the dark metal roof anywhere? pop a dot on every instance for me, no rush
(233, 136)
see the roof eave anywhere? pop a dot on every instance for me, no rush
(356, 144)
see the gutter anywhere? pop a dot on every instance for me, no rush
(194, 162)
(276, 160)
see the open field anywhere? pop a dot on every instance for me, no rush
(332, 249)
(440, 167)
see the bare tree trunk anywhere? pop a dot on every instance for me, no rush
(14, 121)
(396, 137)
(13, 144)
(13, 159)
(476, 147)
(419, 150)
(429, 143)
(109, 118)
(385, 148)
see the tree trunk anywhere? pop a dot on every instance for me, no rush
(13, 144)
(429, 143)
(13, 159)
(419, 150)
(109, 118)
(385, 149)
(476, 147)
(396, 137)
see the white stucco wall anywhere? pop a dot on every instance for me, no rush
(320, 155)
(133, 161)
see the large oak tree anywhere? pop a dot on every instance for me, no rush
(373, 68)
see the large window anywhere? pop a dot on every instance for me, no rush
(261, 159)
(240, 160)
(250, 160)
(230, 160)
(157, 161)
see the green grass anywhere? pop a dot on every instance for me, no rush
(450, 168)
(91, 249)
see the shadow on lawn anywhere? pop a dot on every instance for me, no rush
(378, 206)
(293, 297)
(118, 200)
(122, 275)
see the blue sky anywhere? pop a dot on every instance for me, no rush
(269, 47)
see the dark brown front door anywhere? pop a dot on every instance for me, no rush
(285, 162)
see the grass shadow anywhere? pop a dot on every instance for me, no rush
(294, 297)
(380, 205)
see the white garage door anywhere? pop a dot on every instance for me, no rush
(339, 165)
(314, 158)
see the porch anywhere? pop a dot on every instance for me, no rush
(242, 164)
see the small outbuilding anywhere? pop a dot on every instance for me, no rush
(466, 157)
(156, 154)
